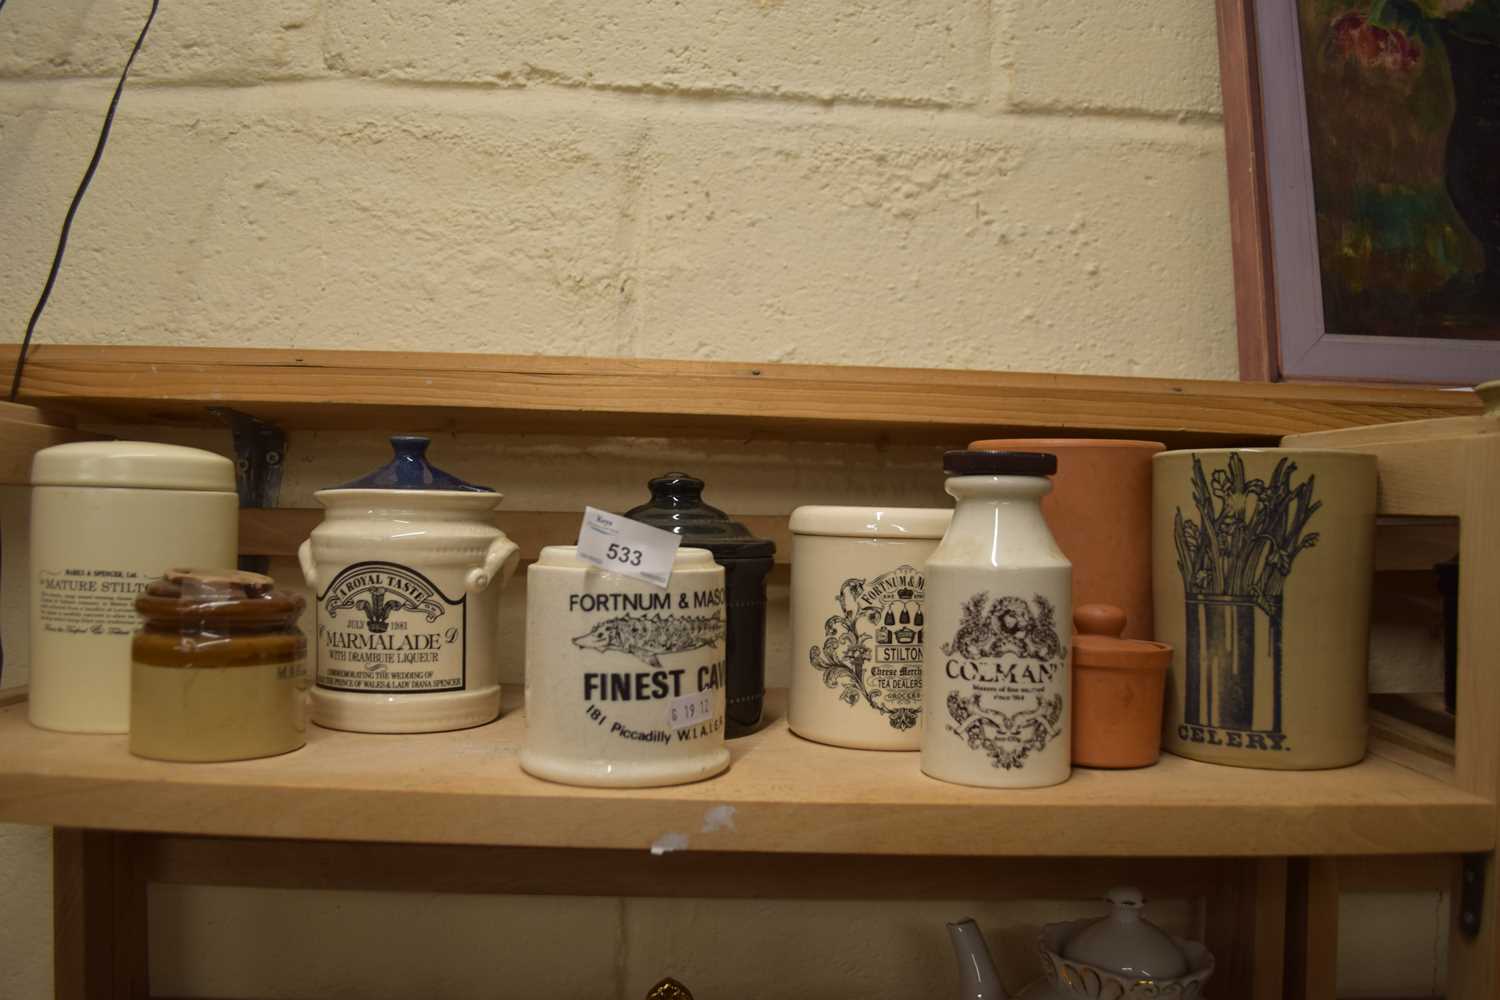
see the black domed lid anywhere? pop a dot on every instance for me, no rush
(677, 506)
(410, 470)
(999, 463)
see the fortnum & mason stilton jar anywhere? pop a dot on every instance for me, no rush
(407, 569)
(996, 684)
(858, 623)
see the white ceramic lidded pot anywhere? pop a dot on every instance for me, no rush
(624, 679)
(107, 518)
(407, 569)
(858, 622)
(1122, 955)
(996, 684)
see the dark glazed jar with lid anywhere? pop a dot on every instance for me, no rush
(677, 506)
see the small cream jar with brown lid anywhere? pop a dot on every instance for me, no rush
(218, 672)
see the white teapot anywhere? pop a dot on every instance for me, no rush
(1121, 956)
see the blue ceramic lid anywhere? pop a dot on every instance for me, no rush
(410, 470)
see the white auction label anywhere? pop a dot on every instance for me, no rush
(690, 709)
(627, 547)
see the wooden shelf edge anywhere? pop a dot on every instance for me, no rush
(360, 389)
(465, 789)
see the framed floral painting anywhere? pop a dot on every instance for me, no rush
(1363, 139)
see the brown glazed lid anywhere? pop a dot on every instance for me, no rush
(1097, 642)
(217, 599)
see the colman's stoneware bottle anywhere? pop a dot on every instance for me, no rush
(996, 686)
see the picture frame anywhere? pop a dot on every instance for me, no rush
(1279, 308)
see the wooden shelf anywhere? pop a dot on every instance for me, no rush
(787, 794)
(432, 392)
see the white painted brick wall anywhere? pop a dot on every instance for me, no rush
(1129, 56)
(917, 51)
(976, 183)
(228, 41)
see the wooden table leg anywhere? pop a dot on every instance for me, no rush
(1312, 929)
(99, 917)
(1246, 922)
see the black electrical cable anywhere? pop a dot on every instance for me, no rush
(83, 185)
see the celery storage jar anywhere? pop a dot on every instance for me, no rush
(107, 518)
(219, 670)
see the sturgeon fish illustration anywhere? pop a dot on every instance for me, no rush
(647, 637)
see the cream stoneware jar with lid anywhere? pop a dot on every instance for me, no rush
(858, 604)
(107, 518)
(407, 569)
(624, 679)
(996, 680)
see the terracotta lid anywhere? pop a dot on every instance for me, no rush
(1062, 444)
(1097, 642)
(676, 505)
(410, 470)
(213, 598)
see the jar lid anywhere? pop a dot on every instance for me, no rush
(566, 557)
(132, 464)
(1097, 642)
(872, 522)
(1064, 444)
(676, 505)
(209, 598)
(1126, 943)
(999, 463)
(410, 470)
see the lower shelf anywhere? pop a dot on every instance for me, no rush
(787, 794)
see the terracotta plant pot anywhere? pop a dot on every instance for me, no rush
(1099, 511)
(1118, 689)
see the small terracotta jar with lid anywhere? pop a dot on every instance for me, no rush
(1119, 687)
(219, 671)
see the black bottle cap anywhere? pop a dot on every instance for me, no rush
(677, 506)
(999, 463)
